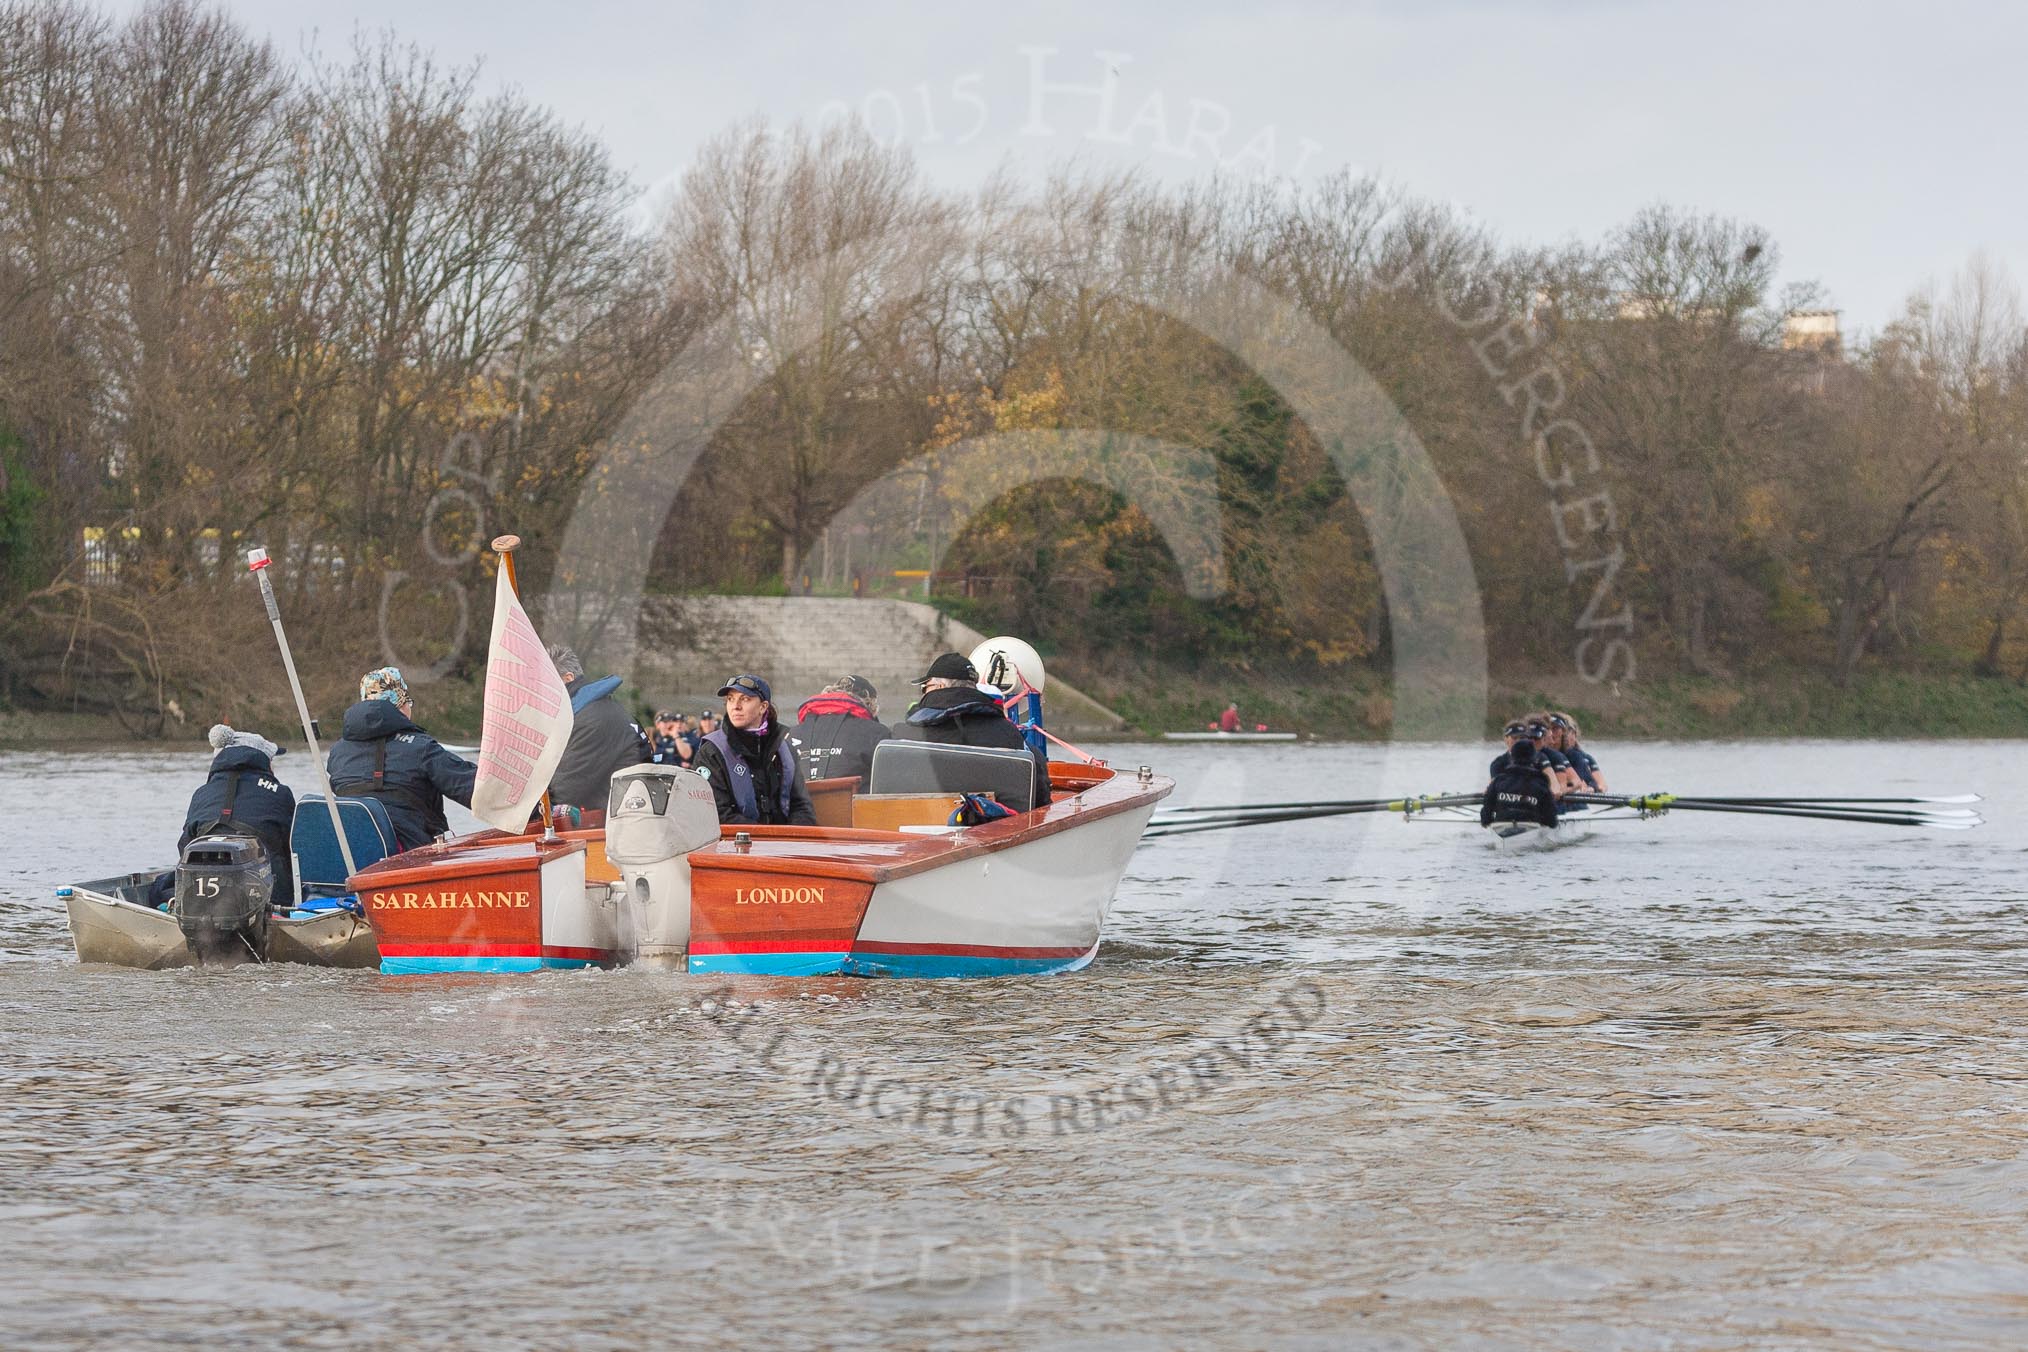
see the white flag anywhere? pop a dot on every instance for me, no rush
(528, 718)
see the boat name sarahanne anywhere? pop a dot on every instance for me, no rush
(448, 901)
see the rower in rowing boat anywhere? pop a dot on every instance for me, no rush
(1522, 790)
(1563, 736)
(1533, 730)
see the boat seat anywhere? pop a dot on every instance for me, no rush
(892, 811)
(320, 865)
(934, 767)
(831, 799)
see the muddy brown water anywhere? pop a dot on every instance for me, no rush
(1706, 1082)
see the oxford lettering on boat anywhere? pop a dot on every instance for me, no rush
(438, 900)
(777, 896)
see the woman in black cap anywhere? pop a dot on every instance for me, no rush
(753, 773)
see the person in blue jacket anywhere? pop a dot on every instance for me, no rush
(384, 754)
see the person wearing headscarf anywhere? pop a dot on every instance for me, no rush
(385, 754)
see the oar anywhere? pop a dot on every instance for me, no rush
(1827, 805)
(1664, 802)
(1332, 805)
(1351, 803)
(1267, 813)
(1839, 802)
(1825, 815)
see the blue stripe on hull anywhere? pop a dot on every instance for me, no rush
(876, 964)
(767, 964)
(948, 965)
(435, 966)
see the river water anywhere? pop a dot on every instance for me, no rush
(1703, 1082)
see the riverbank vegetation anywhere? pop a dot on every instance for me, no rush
(359, 311)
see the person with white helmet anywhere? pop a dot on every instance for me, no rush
(954, 710)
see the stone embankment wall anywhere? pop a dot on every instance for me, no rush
(689, 645)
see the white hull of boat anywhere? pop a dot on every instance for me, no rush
(1039, 906)
(1527, 837)
(106, 927)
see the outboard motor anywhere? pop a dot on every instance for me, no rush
(655, 816)
(223, 884)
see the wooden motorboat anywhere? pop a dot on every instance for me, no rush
(111, 922)
(910, 896)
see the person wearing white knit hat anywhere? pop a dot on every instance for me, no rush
(241, 796)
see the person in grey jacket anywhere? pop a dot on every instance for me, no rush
(602, 737)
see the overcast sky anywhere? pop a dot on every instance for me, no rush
(1881, 144)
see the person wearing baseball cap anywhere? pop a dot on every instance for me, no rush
(1534, 730)
(1564, 737)
(837, 729)
(953, 710)
(754, 775)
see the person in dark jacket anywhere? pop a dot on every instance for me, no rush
(387, 756)
(241, 797)
(1534, 729)
(602, 738)
(753, 773)
(1564, 735)
(837, 729)
(670, 745)
(1520, 791)
(954, 710)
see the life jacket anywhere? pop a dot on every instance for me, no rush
(222, 824)
(976, 809)
(741, 778)
(593, 690)
(379, 787)
(835, 735)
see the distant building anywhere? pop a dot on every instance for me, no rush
(1812, 331)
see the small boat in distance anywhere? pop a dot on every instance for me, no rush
(1216, 736)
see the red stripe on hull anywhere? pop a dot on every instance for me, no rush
(968, 950)
(486, 950)
(766, 945)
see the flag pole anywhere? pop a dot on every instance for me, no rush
(504, 546)
(257, 563)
